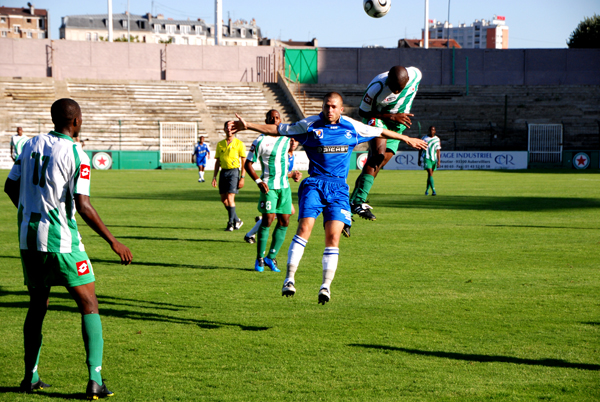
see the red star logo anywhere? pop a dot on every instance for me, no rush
(102, 161)
(581, 160)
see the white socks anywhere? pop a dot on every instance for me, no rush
(254, 228)
(331, 256)
(295, 253)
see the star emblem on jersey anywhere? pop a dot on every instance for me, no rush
(581, 160)
(82, 268)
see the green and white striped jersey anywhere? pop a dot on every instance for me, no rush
(379, 97)
(271, 152)
(52, 168)
(433, 144)
(17, 142)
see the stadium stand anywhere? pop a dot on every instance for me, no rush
(489, 117)
(477, 121)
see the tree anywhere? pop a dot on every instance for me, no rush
(587, 34)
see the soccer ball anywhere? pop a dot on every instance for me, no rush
(377, 8)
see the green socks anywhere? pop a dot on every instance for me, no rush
(33, 347)
(363, 185)
(262, 237)
(278, 238)
(91, 328)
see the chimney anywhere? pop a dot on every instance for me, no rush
(149, 17)
(160, 17)
(31, 8)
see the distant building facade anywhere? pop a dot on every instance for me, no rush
(481, 34)
(28, 23)
(433, 43)
(150, 29)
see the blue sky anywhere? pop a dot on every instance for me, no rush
(343, 23)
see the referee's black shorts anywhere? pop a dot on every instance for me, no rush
(228, 181)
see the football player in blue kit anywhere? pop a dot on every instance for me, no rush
(201, 154)
(328, 140)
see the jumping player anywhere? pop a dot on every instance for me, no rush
(48, 183)
(201, 154)
(328, 140)
(386, 104)
(275, 193)
(431, 161)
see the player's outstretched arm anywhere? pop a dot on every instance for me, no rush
(402, 118)
(91, 217)
(241, 125)
(413, 142)
(13, 188)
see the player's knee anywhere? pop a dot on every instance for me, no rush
(375, 160)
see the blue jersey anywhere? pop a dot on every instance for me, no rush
(201, 150)
(290, 162)
(329, 146)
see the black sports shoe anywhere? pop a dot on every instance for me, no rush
(362, 210)
(250, 239)
(95, 391)
(324, 296)
(346, 230)
(229, 227)
(29, 387)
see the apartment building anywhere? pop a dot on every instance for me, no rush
(481, 34)
(27, 23)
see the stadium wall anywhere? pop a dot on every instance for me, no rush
(129, 61)
(485, 67)
(145, 61)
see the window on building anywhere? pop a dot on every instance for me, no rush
(254, 35)
(29, 20)
(198, 29)
(88, 36)
(95, 36)
(184, 29)
(243, 32)
(156, 28)
(173, 40)
(3, 20)
(142, 24)
(29, 35)
(41, 24)
(17, 29)
(42, 35)
(170, 28)
(124, 23)
(186, 40)
(4, 34)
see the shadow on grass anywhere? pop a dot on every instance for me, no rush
(129, 310)
(178, 239)
(15, 390)
(483, 203)
(485, 358)
(183, 195)
(157, 227)
(172, 265)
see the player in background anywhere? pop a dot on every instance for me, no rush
(431, 160)
(296, 175)
(16, 143)
(328, 140)
(275, 194)
(48, 183)
(201, 154)
(386, 104)
(230, 156)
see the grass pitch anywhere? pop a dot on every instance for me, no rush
(488, 291)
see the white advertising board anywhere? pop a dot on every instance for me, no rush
(462, 160)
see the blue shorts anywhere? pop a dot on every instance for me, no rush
(201, 161)
(328, 197)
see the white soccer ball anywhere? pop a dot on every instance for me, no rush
(377, 8)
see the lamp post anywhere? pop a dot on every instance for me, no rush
(110, 21)
(426, 29)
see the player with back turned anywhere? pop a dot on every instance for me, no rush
(48, 183)
(328, 140)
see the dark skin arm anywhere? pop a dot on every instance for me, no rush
(262, 186)
(402, 118)
(13, 188)
(91, 217)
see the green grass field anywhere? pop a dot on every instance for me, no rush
(489, 291)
